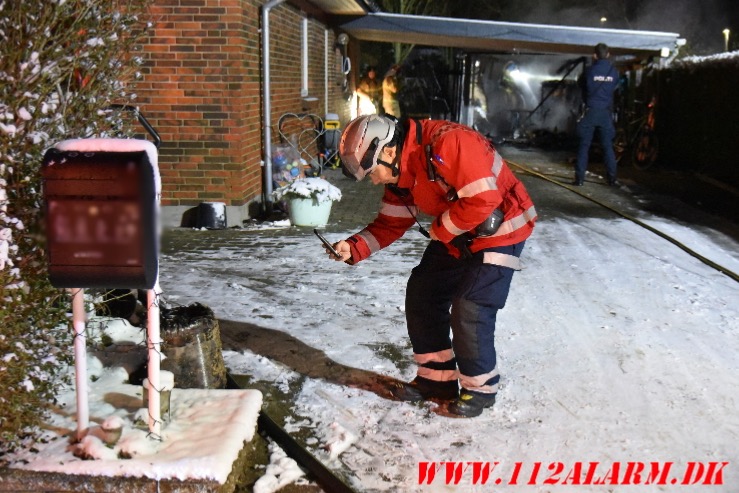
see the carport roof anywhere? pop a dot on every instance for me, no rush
(509, 37)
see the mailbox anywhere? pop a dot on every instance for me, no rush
(102, 213)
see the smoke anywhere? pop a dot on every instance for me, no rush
(529, 11)
(700, 22)
(514, 94)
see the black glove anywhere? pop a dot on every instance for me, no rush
(462, 243)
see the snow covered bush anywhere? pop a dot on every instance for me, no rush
(309, 188)
(62, 63)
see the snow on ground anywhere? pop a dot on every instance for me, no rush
(615, 346)
(202, 434)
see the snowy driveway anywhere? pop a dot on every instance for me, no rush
(615, 347)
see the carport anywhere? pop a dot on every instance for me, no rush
(529, 43)
(508, 37)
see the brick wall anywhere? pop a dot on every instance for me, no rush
(201, 90)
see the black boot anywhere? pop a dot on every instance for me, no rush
(423, 388)
(471, 404)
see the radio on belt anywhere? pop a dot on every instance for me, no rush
(102, 213)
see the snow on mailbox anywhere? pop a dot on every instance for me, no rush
(102, 213)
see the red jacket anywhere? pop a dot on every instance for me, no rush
(465, 162)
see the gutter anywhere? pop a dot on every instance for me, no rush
(267, 119)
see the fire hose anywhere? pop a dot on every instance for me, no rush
(266, 426)
(631, 218)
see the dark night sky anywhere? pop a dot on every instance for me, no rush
(700, 22)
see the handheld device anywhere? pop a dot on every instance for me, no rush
(327, 244)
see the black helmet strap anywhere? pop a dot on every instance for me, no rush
(393, 166)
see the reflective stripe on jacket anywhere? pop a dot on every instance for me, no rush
(464, 161)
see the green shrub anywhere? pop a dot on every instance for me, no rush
(62, 63)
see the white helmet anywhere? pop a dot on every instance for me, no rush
(362, 142)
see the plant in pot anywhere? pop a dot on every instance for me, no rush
(308, 200)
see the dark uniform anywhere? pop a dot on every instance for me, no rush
(600, 83)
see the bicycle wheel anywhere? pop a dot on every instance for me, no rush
(646, 147)
(620, 144)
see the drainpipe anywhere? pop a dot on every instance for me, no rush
(304, 55)
(267, 130)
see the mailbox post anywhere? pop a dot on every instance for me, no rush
(102, 224)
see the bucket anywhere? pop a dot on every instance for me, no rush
(211, 215)
(191, 342)
(308, 212)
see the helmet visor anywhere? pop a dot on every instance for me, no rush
(368, 160)
(360, 169)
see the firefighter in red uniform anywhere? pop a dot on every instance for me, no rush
(483, 214)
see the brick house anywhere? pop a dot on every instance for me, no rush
(202, 90)
(205, 79)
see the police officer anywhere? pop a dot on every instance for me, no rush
(600, 82)
(483, 215)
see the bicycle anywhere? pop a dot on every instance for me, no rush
(637, 139)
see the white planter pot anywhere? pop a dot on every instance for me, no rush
(308, 212)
